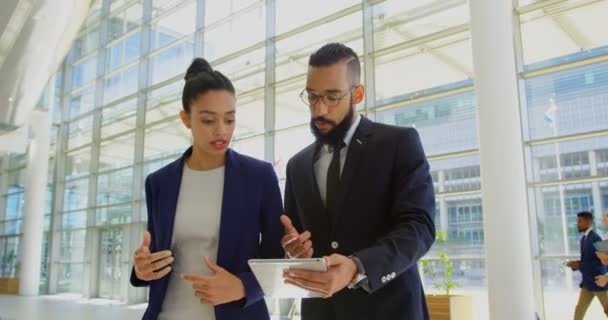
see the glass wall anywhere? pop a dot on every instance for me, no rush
(118, 96)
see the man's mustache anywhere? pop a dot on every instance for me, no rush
(324, 120)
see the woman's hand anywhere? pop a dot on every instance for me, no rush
(220, 288)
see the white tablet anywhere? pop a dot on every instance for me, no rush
(269, 273)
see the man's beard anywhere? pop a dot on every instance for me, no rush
(338, 131)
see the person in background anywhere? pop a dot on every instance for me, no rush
(589, 265)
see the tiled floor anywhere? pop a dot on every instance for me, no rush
(559, 305)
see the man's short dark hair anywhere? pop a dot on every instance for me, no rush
(333, 53)
(585, 214)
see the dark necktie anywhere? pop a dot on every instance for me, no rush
(333, 181)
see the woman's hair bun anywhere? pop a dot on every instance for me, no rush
(198, 66)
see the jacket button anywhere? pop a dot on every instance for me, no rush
(383, 279)
(335, 245)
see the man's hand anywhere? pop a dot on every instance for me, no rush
(601, 281)
(574, 265)
(151, 266)
(341, 271)
(296, 245)
(603, 257)
(220, 288)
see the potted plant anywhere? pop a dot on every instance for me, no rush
(9, 282)
(445, 306)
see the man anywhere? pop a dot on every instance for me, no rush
(362, 197)
(589, 265)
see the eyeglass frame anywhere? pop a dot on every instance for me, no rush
(324, 97)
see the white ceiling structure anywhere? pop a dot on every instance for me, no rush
(35, 36)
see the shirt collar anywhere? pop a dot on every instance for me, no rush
(351, 131)
(588, 230)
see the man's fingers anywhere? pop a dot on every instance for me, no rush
(305, 284)
(289, 228)
(317, 277)
(301, 250)
(304, 236)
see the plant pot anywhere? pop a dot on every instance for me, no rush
(9, 285)
(443, 307)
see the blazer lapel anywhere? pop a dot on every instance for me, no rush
(168, 198)
(356, 151)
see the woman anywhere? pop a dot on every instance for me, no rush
(212, 202)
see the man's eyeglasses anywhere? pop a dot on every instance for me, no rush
(330, 100)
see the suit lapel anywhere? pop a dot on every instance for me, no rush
(356, 151)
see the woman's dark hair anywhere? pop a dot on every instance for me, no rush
(201, 78)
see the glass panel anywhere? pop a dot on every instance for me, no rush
(82, 102)
(287, 144)
(434, 118)
(9, 256)
(124, 20)
(574, 160)
(290, 110)
(457, 174)
(250, 116)
(14, 206)
(114, 215)
(171, 62)
(74, 220)
(86, 43)
(164, 102)
(217, 10)
(12, 227)
(84, 72)
(115, 187)
(117, 152)
(567, 102)
(119, 118)
(247, 72)
(121, 84)
(293, 14)
(110, 273)
(253, 147)
(437, 63)
(465, 232)
(175, 25)
(568, 30)
(80, 132)
(123, 52)
(397, 21)
(250, 26)
(292, 53)
(76, 194)
(166, 139)
(70, 278)
(77, 163)
(16, 180)
(72, 245)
